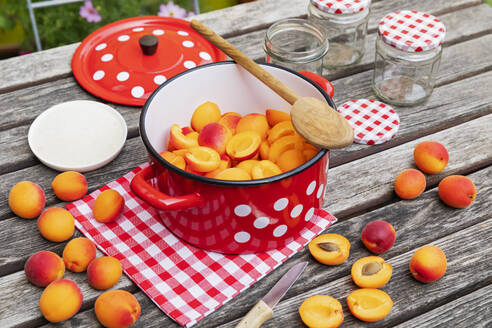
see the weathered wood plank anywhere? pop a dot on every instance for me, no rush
(472, 310)
(55, 63)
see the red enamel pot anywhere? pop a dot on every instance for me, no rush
(228, 216)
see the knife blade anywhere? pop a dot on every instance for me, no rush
(263, 310)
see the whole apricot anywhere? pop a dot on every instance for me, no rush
(330, 248)
(44, 267)
(371, 272)
(369, 304)
(117, 309)
(409, 184)
(61, 300)
(104, 272)
(78, 253)
(207, 112)
(69, 186)
(378, 236)
(457, 191)
(430, 157)
(26, 199)
(428, 264)
(56, 224)
(108, 206)
(321, 311)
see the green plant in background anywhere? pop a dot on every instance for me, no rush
(13, 24)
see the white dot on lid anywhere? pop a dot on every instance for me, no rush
(188, 44)
(137, 91)
(310, 188)
(183, 33)
(158, 32)
(123, 38)
(189, 64)
(261, 222)
(242, 210)
(242, 237)
(138, 29)
(309, 214)
(296, 211)
(101, 46)
(159, 79)
(98, 75)
(122, 76)
(320, 191)
(106, 57)
(280, 230)
(205, 55)
(280, 204)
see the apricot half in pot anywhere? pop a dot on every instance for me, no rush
(321, 311)
(371, 272)
(368, 304)
(330, 248)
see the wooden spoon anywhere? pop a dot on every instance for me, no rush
(313, 119)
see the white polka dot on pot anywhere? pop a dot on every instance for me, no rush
(183, 33)
(280, 204)
(122, 76)
(309, 214)
(138, 91)
(261, 222)
(242, 210)
(311, 188)
(158, 32)
(189, 64)
(138, 29)
(188, 44)
(107, 57)
(320, 191)
(101, 46)
(296, 211)
(98, 75)
(123, 38)
(280, 230)
(159, 79)
(242, 237)
(205, 55)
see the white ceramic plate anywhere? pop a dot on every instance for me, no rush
(80, 135)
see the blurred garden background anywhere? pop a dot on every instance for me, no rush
(69, 23)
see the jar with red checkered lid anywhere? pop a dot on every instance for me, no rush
(408, 53)
(345, 22)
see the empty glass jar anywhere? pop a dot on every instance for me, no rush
(408, 53)
(345, 22)
(296, 44)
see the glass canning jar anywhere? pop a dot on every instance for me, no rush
(296, 44)
(345, 22)
(408, 54)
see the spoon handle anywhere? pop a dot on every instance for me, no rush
(268, 79)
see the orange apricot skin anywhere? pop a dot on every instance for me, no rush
(430, 157)
(78, 253)
(253, 122)
(321, 311)
(61, 300)
(44, 267)
(214, 135)
(428, 264)
(275, 116)
(355, 298)
(409, 184)
(104, 272)
(234, 174)
(108, 206)
(457, 191)
(69, 186)
(207, 112)
(377, 280)
(56, 224)
(330, 258)
(26, 200)
(117, 309)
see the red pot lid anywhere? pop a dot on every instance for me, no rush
(110, 62)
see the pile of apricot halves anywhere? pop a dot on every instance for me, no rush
(62, 298)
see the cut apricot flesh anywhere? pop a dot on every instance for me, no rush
(321, 311)
(368, 304)
(283, 144)
(247, 165)
(330, 248)
(202, 159)
(275, 116)
(371, 272)
(280, 130)
(174, 159)
(291, 159)
(180, 141)
(264, 149)
(234, 173)
(265, 169)
(243, 145)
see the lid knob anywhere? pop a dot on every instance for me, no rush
(148, 43)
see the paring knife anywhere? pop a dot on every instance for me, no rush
(262, 311)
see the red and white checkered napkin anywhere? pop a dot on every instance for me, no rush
(411, 31)
(341, 6)
(186, 282)
(374, 122)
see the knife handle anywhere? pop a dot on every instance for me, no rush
(256, 316)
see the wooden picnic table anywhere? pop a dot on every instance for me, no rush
(360, 181)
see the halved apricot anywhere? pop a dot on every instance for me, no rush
(222, 166)
(207, 112)
(280, 130)
(291, 159)
(253, 122)
(330, 248)
(230, 120)
(202, 159)
(309, 151)
(243, 145)
(234, 173)
(371, 272)
(265, 169)
(174, 159)
(283, 144)
(247, 165)
(321, 311)
(180, 152)
(275, 116)
(369, 304)
(264, 149)
(180, 141)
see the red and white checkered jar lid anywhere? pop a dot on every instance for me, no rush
(341, 6)
(374, 122)
(411, 31)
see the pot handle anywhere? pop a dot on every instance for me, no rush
(321, 81)
(146, 192)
